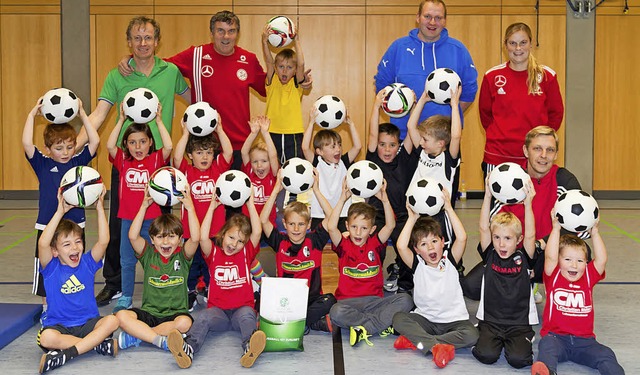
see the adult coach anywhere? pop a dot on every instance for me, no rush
(165, 80)
(410, 59)
(550, 181)
(515, 97)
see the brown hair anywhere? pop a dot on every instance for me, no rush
(437, 126)
(136, 128)
(571, 240)
(286, 54)
(423, 228)
(142, 21)
(507, 219)
(236, 221)
(165, 225)
(362, 209)
(326, 137)
(195, 143)
(298, 208)
(535, 71)
(225, 16)
(56, 133)
(389, 128)
(65, 227)
(423, 2)
(541, 130)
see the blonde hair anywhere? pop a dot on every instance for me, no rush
(507, 219)
(260, 146)
(538, 131)
(571, 240)
(298, 208)
(437, 126)
(534, 70)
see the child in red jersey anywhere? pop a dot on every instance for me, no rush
(230, 302)
(361, 305)
(567, 326)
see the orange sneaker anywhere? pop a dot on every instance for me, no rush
(403, 343)
(443, 354)
(539, 368)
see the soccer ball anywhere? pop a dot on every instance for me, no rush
(141, 105)
(59, 106)
(233, 188)
(364, 179)
(297, 175)
(282, 31)
(576, 210)
(81, 186)
(438, 84)
(425, 196)
(200, 118)
(398, 100)
(331, 111)
(166, 186)
(507, 182)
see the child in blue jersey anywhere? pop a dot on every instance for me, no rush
(73, 325)
(60, 156)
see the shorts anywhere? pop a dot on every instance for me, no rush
(153, 321)
(77, 331)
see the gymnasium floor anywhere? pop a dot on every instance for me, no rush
(617, 324)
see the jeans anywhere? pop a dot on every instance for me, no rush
(128, 258)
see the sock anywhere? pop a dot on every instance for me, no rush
(257, 272)
(159, 341)
(71, 352)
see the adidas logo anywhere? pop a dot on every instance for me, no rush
(206, 57)
(73, 285)
(54, 169)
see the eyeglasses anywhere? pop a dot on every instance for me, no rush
(436, 19)
(147, 38)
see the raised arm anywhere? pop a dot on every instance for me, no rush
(456, 123)
(167, 143)
(529, 241)
(553, 246)
(266, 53)
(414, 118)
(112, 141)
(374, 122)
(92, 133)
(137, 241)
(405, 236)
(205, 242)
(27, 132)
(307, 147)
(96, 118)
(267, 225)
(181, 146)
(191, 245)
(485, 212)
(389, 216)
(225, 142)
(356, 145)
(256, 227)
(300, 57)
(459, 245)
(254, 125)
(322, 200)
(98, 250)
(599, 249)
(332, 222)
(45, 253)
(265, 123)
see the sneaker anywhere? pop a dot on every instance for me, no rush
(193, 300)
(106, 295)
(391, 283)
(43, 315)
(402, 343)
(125, 340)
(539, 368)
(182, 352)
(388, 331)
(443, 354)
(124, 303)
(357, 334)
(201, 286)
(537, 295)
(253, 348)
(324, 324)
(108, 347)
(52, 360)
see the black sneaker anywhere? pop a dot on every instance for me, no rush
(324, 324)
(52, 360)
(253, 348)
(193, 300)
(106, 295)
(391, 283)
(182, 352)
(108, 347)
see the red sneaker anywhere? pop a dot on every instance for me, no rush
(539, 368)
(403, 343)
(443, 354)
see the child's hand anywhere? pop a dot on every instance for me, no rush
(81, 112)
(411, 214)
(424, 98)
(62, 204)
(316, 179)
(313, 113)
(35, 111)
(101, 197)
(380, 98)
(447, 199)
(183, 125)
(219, 129)
(264, 123)
(159, 113)
(595, 229)
(382, 193)
(349, 121)
(147, 200)
(254, 125)
(265, 33)
(346, 192)
(122, 115)
(455, 96)
(278, 185)
(555, 224)
(531, 192)
(186, 200)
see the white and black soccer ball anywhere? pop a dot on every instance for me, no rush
(166, 186)
(81, 186)
(200, 119)
(576, 210)
(59, 105)
(141, 105)
(331, 111)
(233, 188)
(438, 84)
(398, 100)
(282, 31)
(364, 179)
(507, 183)
(425, 196)
(297, 175)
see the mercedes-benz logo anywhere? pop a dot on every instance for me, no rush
(500, 81)
(206, 71)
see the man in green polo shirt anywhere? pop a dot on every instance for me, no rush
(165, 80)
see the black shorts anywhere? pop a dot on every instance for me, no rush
(77, 331)
(153, 321)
